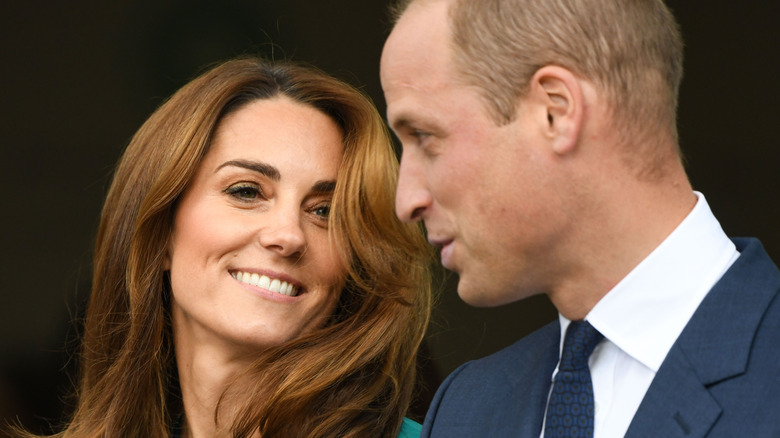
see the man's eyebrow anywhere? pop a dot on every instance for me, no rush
(409, 122)
(401, 121)
(257, 166)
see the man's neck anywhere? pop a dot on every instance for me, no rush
(625, 222)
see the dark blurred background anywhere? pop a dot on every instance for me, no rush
(78, 78)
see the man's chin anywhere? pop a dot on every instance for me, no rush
(486, 294)
(476, 296)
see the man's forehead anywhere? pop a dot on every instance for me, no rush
(417, 50)
(411, 102)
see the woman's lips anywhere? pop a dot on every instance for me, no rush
(267, 282)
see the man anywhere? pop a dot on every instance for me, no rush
(540, 150)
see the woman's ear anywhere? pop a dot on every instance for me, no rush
(167, 260)
(561, 95)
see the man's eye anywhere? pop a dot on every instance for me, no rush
(419, 135)
(244, 191)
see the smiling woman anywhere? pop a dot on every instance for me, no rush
(250, 276)
(250, 260)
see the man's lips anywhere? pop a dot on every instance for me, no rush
(446, 248)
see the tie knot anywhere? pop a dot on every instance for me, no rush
(581, 339)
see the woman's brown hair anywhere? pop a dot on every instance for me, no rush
(354, 377)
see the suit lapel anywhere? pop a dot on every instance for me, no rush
(533, 387)
(713, 347)
(677, 404)
(517, 408)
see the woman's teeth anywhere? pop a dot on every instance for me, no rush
(265, 282)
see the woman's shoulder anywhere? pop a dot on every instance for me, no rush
(410, 429)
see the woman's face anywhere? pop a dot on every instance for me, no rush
(250, 262)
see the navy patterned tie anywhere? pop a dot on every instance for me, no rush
(570, 410)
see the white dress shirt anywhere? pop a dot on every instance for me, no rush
(642, 316)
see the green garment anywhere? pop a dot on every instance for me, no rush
(409, 429)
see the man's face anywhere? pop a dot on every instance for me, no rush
(484, 191)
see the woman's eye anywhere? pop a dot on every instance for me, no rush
(244, 191)
(322, 211)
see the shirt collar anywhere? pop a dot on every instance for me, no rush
(646, 311)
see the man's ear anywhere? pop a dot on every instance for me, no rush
(561, 95)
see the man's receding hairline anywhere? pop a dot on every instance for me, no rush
(398, 9)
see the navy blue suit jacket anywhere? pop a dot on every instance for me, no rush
(720, 379)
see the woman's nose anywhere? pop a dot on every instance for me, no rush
(284, 234)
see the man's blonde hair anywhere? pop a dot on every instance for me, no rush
(630, 49)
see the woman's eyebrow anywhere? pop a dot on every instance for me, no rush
(324, 187)
(257, 166)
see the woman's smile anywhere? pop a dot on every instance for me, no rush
(268, 282)
(257, 210)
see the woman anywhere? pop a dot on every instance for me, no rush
(250, 277)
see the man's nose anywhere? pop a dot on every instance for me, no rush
(412, 197)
